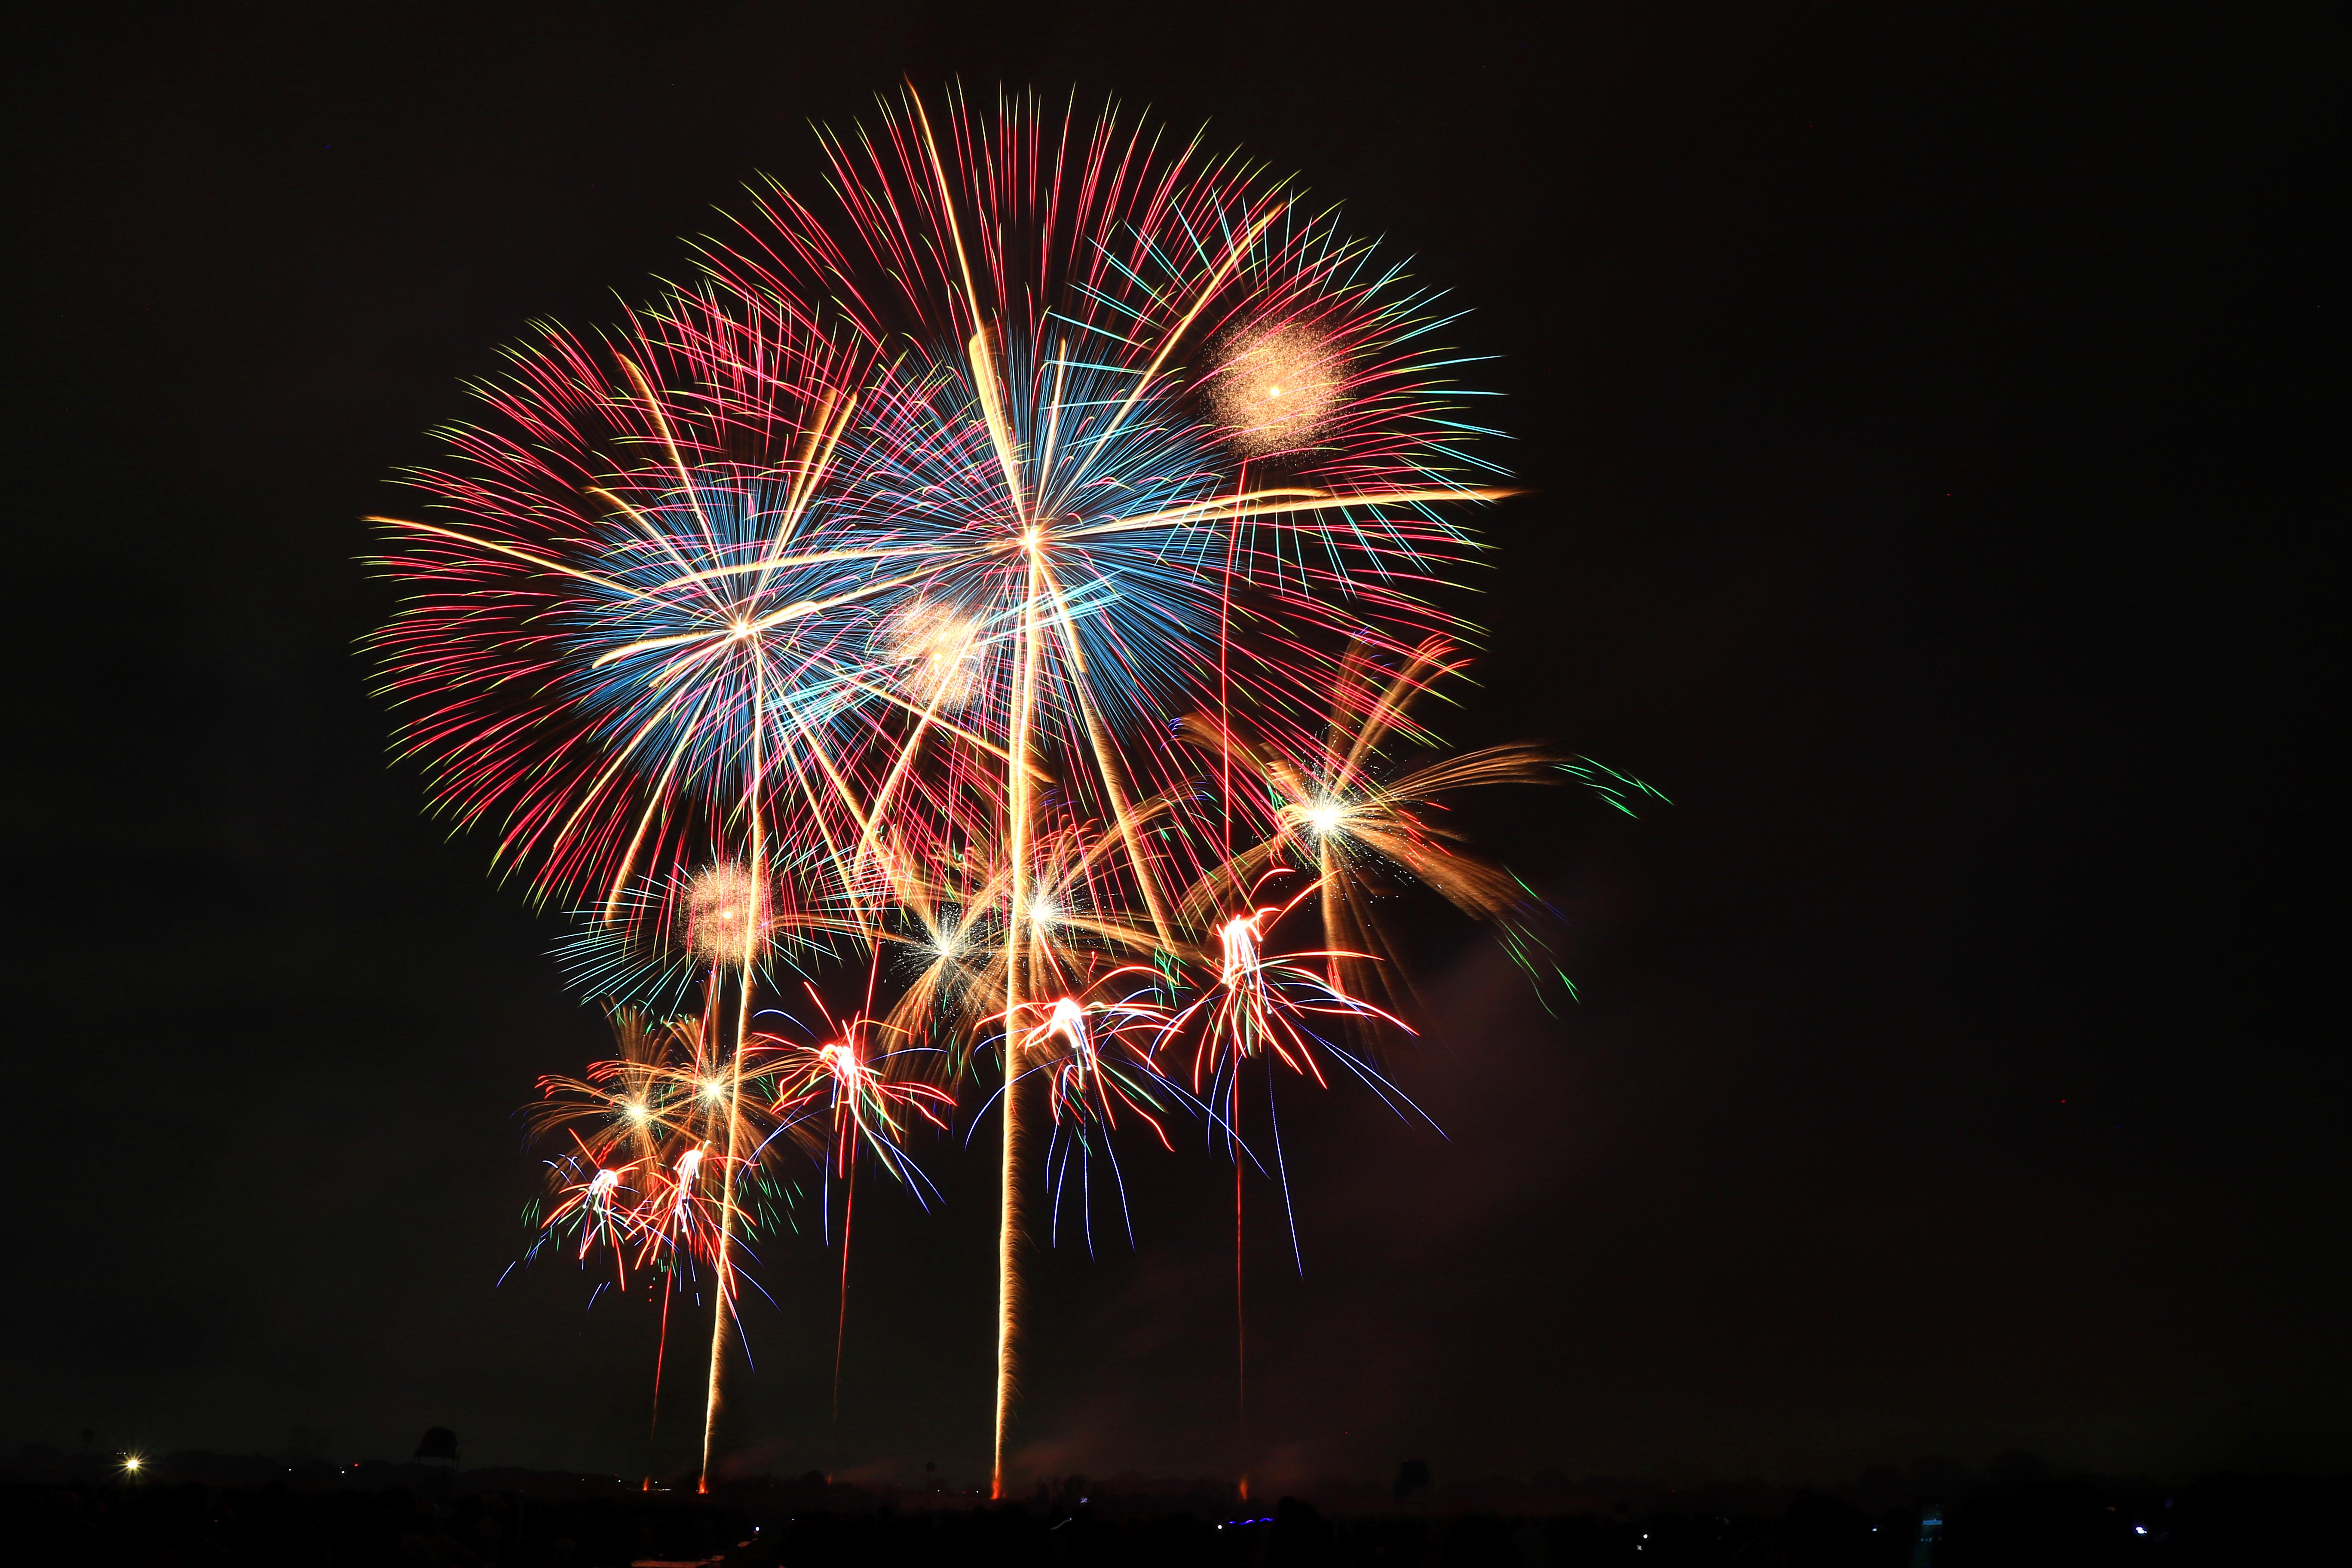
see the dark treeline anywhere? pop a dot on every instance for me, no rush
(326, 1515)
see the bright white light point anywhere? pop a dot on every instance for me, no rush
(1325, 815)
(1045, 911)
(132, 1463)
(714, 1091)
(742, 629)
(637, 1111)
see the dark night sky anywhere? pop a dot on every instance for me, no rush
(1923, 501)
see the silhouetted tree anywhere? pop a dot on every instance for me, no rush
(1823, 1532)
(1302, 1538)
(438, 1443)
(1413, 1475)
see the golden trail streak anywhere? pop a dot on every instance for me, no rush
(825, 558)
(619, 759)
(1052, 449)
(992, 408)
(532, 557)
(1198, 511)
(1216, 280)
(816, 458)
(645, 821)
(1065, 622)
(914, 742)
(752, 935)
(1015, 943)
(1215, 509)
(1017, 793)
(1116, 935)
(645, 524)
(1019, 804)
(1388, 712)
(791, 612)
(948, 207)
(677, 464)
(958, 730)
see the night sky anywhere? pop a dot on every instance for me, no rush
(1920, 413)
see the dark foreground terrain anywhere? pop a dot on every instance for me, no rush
(173, 1517)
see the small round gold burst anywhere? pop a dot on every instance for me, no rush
(728, 914)
(1276, 388)
(935, 651)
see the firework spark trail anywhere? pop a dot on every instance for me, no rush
(1281, 1007)
(1340, 797)
(864, 1107)
(1093, 1052)
(681, 1114)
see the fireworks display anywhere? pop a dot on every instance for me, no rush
(1001, 595)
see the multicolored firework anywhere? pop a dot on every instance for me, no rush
(1093, 1053)
(641, 1168)
(664, 1162)
(1012, 582)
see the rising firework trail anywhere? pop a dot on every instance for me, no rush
(866, 1104)
(644, 1174)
